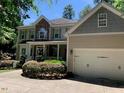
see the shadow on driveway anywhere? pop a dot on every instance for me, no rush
(99, 81)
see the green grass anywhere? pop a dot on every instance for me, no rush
(2, 71)
(54, 61)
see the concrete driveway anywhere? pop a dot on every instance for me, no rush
(13, 82)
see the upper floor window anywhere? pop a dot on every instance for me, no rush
(42, 33)
(22, 35)
(57, 33)
(102, 20)
(31, 34)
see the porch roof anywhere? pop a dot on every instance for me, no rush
(46, 42)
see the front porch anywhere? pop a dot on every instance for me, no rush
(46, 50)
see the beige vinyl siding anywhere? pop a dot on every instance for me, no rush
(95, 41)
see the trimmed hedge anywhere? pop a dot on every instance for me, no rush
(6, 64)
(44, 70)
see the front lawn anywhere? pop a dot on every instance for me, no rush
(54, 62)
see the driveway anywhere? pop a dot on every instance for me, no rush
(13, 82)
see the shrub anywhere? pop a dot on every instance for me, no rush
(44, 70)
(6, 64)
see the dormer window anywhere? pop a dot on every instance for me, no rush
(102, 20)
(42, 33)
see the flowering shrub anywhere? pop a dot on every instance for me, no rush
(50, 69)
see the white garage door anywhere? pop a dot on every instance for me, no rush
(99, 63)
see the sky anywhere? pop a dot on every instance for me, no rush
(55, 10)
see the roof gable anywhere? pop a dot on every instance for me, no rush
(39, 19)
(92, 12)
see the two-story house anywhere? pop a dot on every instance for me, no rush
(44, 38)
(95, 44)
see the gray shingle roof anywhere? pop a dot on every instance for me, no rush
(54, 22)
(61, 21)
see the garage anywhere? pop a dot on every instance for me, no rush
(99, 63)
(94, 50)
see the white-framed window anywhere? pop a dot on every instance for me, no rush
(102, 20)
(57, 33)
(42, 33)
(31, 34)
(22, 35)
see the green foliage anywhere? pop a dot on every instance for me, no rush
(85, 11)
(12, 14)
(44, 70)
(7, 35)
(54, 62)
(68, 12)
(108, 1)
(119, 4)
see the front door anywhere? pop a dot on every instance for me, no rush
(39, 52)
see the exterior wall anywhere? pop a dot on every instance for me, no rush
(62, 31)
(43, 23)
(114, 24)
(93, 41)
(27, 32)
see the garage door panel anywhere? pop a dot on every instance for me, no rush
(108, 63)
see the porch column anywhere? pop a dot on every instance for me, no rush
(28, 51)
(44, 50)
(49, 33)
(57, 51)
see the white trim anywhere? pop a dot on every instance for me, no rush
(31, 32)
(93, 11)
(44, 33)
(39, 19)
(20, 49)
(57, 31)
(25, 27)
(102, 19)
(47, 42)
(28, 51)
(91, 34)
(67, 53)
(25, 36)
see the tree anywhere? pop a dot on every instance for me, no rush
(12, 14)
(68, 12)
(119, 4)
(85, 11)
(108, 1)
